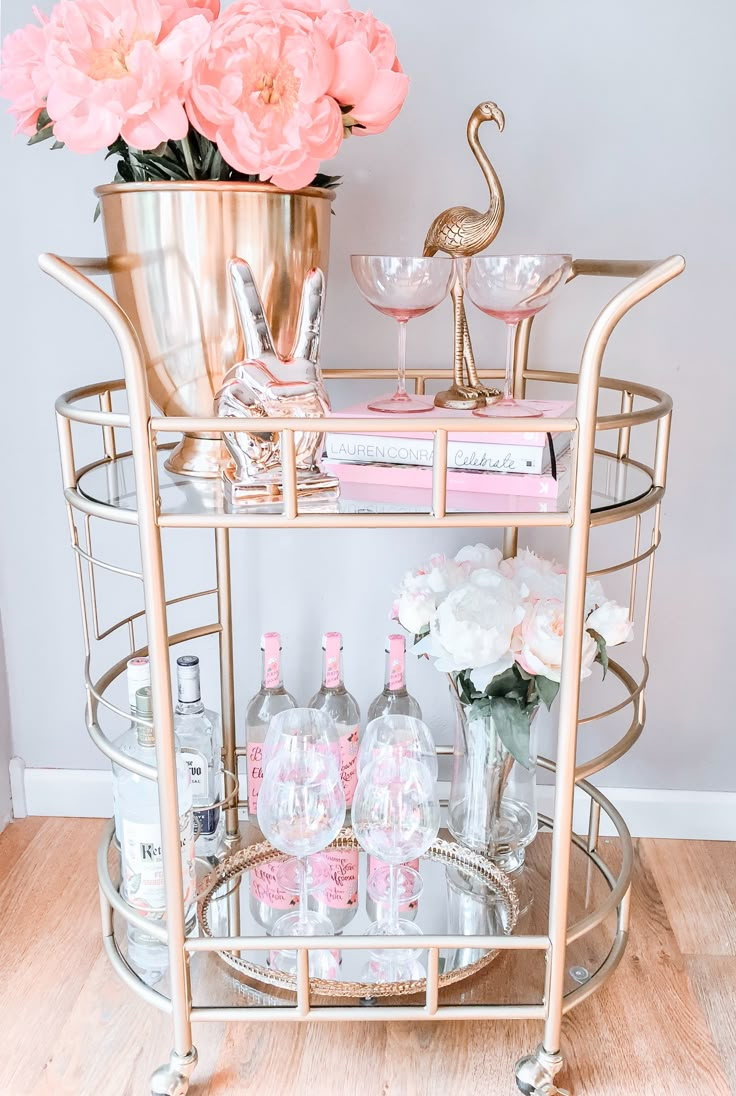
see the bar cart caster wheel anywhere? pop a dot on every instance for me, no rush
(173, 1079)
(535, 1074)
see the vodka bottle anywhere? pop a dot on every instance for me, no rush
(138, 675)
(270, 699)
(198, 731)
(142, 873)
(395, 699)
(339, 899)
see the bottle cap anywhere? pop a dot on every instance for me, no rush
(144, 702)
(138, 674)
(332, 639)
(268, 639)
(187, 662)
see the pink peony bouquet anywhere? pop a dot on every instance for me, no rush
(497, 627)
(264, 91)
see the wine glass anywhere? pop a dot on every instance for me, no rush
(296, 729)
(403, 287)
(512, 288)
(396, 816)
(406, 736)
(301, 809)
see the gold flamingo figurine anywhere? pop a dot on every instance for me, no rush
(462, 232)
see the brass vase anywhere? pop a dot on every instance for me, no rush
(170, 244)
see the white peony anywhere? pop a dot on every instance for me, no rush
(473, 626)
(612, 622)
(475, 556)
(540, 639)
(414, 610)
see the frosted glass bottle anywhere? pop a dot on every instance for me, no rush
(198, 731)
(138, 676)
(339, 899)
(142, 884)
(395, 698)
(270, 699)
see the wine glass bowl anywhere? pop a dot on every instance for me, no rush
(402, 734)
(512, 288)
(403, 287)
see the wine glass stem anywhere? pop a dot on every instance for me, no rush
(401, 369)
(393, 899)
(304, 890)
(508, 385)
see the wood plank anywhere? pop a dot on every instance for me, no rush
(694, 878)
(714, 981)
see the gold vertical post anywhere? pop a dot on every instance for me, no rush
(439, 475)
(227, 675)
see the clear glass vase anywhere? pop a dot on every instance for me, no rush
(493, 798)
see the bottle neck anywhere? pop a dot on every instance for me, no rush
(271, 662)
(395, 672)
(332, 672)
(189, 691)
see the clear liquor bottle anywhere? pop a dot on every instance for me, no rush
(270, 699)
(339, 899)
(142, 884)
(395, 698)
(198, 731)
(138, 676)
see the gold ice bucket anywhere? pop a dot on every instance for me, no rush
(172, 243)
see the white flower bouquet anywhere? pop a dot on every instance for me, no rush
(497, 627)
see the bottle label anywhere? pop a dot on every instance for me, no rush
(265, 888)
(142, 863)
(333, 646)
(349, 746)
(206, 822)
(374, 865)
(255, 775)
(199, 772)
(341, 891)
(271, 660)
(396, 662)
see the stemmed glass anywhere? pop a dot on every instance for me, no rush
(396, 816)
(403, 287)
(405, 736)
(512, 288)
(291, 730)
(301, 809)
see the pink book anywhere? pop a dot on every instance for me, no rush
(543, 486)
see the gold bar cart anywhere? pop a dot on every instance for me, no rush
(102, 491)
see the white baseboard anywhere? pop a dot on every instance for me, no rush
(648, 812)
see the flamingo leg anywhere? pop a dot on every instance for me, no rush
(473, 378)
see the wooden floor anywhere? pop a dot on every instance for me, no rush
(666, 1026)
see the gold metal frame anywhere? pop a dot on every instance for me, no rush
(536, 1073)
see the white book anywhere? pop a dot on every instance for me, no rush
(466, 455)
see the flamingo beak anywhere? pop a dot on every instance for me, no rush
(498, 117)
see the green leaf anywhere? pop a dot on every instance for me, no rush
(513, 727)
(41, 135)
(602, 655)
(57, 144)
(547, 690)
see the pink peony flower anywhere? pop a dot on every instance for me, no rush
(24, 78)
(259, 90)
(173, 11)
(113, 73)
(368, 76)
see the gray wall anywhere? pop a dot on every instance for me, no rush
(619, 142)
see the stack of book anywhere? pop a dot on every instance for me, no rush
(524, 472)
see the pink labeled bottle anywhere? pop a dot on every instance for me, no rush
(338, 900)
(395, 698)
(270, 699)
(267, 901)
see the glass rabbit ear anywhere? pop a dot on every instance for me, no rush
(256, 332)
(310, 317)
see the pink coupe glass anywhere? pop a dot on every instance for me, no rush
(403, 287)
(512, 288)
